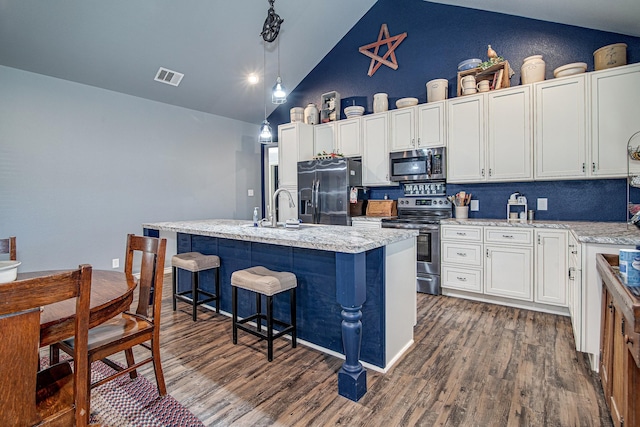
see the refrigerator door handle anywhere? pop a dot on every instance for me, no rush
(316, 202)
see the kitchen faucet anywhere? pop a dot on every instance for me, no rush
(273, 214)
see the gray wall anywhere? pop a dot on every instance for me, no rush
(80, 167)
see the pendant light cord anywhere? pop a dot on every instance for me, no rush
(264, 73)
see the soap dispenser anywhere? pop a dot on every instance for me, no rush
(255, 216)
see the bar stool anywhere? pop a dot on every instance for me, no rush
(263, 281)
(195, 262)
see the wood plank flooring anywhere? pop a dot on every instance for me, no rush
(472, 364)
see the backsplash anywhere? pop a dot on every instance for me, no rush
(582, 200)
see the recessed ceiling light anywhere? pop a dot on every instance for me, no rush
(253, 79)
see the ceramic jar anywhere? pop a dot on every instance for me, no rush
(532, 69)
(437, 90)
(296, 114)
(380, 102)
(311, 114)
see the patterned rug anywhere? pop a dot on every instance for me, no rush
(131, 403)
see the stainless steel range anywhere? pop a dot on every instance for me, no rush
(424, 214)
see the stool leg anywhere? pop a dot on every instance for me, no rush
(259, 311)
(174, 289)
(194, 293)
(294, 333)
(218, 290)
(269, 328)
(234, 312)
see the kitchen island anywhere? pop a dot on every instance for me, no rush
(356, 288)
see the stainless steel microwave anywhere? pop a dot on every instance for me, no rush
(427, 164)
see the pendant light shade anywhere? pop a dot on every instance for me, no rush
(279, 92)
(265, 137)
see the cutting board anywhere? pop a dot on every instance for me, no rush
(382, 208)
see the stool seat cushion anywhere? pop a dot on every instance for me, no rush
(262, 280)
(195, 261)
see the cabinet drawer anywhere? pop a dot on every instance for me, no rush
(508, 235)
(466, 279)
(462, 253)
(456, 232)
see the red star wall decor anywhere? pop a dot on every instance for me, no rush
(391, 42)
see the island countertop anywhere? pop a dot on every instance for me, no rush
(608, 233)
(335, 238)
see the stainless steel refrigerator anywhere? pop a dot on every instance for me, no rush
(324, 188)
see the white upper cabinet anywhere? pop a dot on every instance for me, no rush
(490, 137)
(295, 143)
(350, 137)
(343, 136)
(561, 128)
(325, 137)
(466, 132)
(375, 153)
(431, 125)
(403, 125)
(510, 137)
(615, 109)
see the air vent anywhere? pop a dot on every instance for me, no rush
(169, 77)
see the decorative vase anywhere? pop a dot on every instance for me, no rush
(532, 69)
(380, 102)
(311, 114)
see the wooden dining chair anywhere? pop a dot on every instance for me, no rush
(56, 395)
(130, 329)
(8, 246)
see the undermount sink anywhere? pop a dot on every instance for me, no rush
(281, 226)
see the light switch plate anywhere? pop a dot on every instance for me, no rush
(475, 205)
(250, 192)
(542, 204)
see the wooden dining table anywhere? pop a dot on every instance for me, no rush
(111, 294)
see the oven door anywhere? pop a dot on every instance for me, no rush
(428, 248)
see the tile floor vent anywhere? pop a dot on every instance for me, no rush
(169, 77)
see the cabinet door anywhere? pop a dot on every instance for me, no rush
(375, 151)
(574, 288)
(606, 344)
(551, 267)
(349, 137)
(510, 142)
(324, 138)
(431, 125)
(508, 272)
(561, 128)
(295, 143)
(615, 112)
(403, 129)
(465, 130)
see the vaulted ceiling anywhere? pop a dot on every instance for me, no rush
(119, 45)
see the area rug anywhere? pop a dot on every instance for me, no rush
(124, 402)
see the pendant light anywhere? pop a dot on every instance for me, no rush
(279, 92)
(266, 136)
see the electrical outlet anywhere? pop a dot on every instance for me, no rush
(250, 192)
(115, 263)
(542, 204)
(475, 205)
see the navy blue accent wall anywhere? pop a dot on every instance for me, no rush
(438, 38)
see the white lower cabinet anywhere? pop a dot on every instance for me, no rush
(355, 222)
(461, 254)
(517, 266)
(508, 271)
(551, 267)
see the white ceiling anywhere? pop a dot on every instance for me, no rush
(120, 44)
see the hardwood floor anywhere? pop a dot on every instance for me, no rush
(472, 364)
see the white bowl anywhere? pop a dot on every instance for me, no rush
(354, 111)
(570, 69)
(8, 271)
(406, 102)
(469, 64)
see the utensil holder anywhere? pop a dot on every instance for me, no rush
(462, 212)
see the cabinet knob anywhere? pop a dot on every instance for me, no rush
(628, 340)
(593, 167)
(482, 171)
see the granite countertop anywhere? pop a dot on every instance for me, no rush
(335, 238)
(611, 233)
